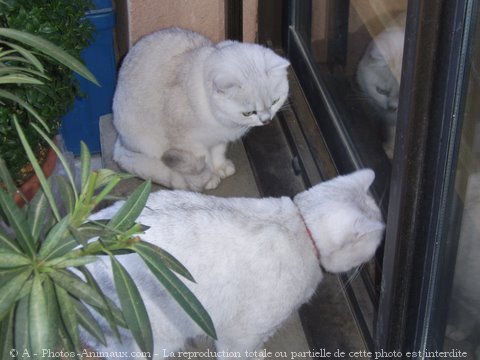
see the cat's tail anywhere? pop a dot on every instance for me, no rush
(146, 167)
(176, 169)
(184, 161)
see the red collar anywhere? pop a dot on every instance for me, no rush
(317, 253)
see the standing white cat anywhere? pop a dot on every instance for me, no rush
(255, 261)
(180, 99)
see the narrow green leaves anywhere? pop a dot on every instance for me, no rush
(9, 259)
(49, 49)
(77, 287)
(69, 316)
(37, 213)
(133, 307)
(180, 292)
(6, 178)
(6, 340)
(12, 97)
(36, 167)
(131, 209)
(7, 242)
(85, 160)
(10, 290)
(18, 221)
(55, 237)
(153, 254)
(38, 319)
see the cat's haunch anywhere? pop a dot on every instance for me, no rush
(180, 99)
(254, 260)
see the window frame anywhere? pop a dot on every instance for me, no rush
(416, 269)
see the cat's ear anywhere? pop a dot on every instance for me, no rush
(377, 56)
(183, 161)
(225, 86)
(278, 65)
(364, 177)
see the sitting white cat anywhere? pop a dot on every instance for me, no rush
(378, 74)
(255, 261)
(180, 99)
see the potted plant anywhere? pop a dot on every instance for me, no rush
(36, 77)
(42, 301)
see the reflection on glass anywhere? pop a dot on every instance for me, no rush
(378, 75)
(359, 50)
(463, 326)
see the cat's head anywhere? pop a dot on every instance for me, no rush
(246, 83)
(343, 219)
(379, 70)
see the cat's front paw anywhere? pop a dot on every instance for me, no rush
(213, 182)
(225, 170)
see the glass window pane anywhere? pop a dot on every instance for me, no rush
(463, 325)
(357, 47)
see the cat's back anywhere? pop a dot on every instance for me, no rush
(156, 53)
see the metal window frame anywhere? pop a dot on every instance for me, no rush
(410, 315)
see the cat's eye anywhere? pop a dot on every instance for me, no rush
(249, 113)
(382, 91)
(275, 101)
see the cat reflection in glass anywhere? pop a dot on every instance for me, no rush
(180, 99)
(378, 75)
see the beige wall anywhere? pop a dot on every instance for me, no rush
(136, 18)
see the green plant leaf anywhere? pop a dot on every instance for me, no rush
(85, 164)
(11, 70)
(52, 303)
(7, 243)
(39, 323)
(182, 294)
(37, 214)
(28, 55)
(56, 236)
(69, 316)
(21, 331)
(9, 259)
(9, 291)
(155, 254)
(88, 322)
(19, 79)
(6, 178)
(6, 340)
(112, 313)
(51, 50)
(7, 274)
(66, 193)
(25, 290)
(133, 307)
(131, 209)
(63, 248)
(80, 261)
(60, 157)
(12, 97)
(18, 221)
(38, 171)
(78, 288)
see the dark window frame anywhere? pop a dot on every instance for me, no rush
(410, 316)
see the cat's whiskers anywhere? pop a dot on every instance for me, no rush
(351, 278)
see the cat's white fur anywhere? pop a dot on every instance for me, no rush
(253, 260)
(180, 99)
(379, 73)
